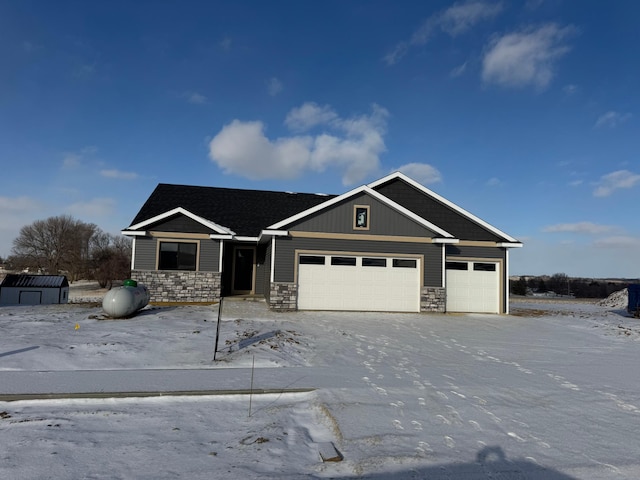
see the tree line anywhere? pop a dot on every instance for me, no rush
(562, 284)
(65, 245)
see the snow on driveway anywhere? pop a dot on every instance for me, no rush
(552, 392)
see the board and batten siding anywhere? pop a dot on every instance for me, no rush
(180, 223)
(436, 212)
(147, 247)
(287, 246)
(383, 220)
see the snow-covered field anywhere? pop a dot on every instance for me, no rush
(550, 392)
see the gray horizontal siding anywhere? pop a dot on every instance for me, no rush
(383, 220)
(286, 247)
(476, 252)
(209, 255)
(146, 248)
(145, 253)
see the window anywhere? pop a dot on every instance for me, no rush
(311, 260)
(177, 256)
(374, 262)
(484, 267)
(361, 217)
(404, 263)
(348, 261)
(457, 266)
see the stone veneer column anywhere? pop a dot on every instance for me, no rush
(433, 299)
(283, 296)
(180, 286)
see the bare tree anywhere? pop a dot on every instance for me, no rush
(111, 257)
(53, 245)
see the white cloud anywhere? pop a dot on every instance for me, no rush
(75, 159)
(421, 172)
(459, 70)
(22, 204)
(619, 242)
(195, 98)
(352, 145)
(461, 17)
(274, 86)
(525, 58)
(580, 227)
(612, 119)
(118, 174)
(225, 44)
(309, 115)
(455, 20)
(96, 207)
(570, 89)
(576, 183)
(493, 182)
(613, 181)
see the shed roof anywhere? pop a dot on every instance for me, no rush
(35, 281)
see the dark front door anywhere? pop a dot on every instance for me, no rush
(243, 261)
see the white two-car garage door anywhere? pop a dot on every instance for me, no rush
(473, 286)
(350, 282)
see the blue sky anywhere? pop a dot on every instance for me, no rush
(524, 113)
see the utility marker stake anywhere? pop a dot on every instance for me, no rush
(253, 365)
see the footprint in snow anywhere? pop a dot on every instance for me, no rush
(449, 442)
(398, 424)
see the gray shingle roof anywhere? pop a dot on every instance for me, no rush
(246, 212)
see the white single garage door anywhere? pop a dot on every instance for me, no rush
(473, 286)
(362, 283)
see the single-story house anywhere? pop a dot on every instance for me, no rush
(392, 245)
(21, 289)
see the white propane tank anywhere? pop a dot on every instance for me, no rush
(124, 301)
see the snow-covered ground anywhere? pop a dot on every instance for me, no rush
(550, 392)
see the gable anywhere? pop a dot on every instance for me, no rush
(179, 223)
(445, 216)
(244, 212)
(382, 219)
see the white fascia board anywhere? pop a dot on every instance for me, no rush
(275, 233)
(378, 196)
(246, 239)
(452, 205)
(317, 208)
(217, 236)
(137, 233)
(448, 241)
(510, 245)
(266, 234)
(207, 223)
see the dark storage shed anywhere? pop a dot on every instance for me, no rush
(34, 289)
(634, 299)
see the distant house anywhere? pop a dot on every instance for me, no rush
(34, 289)
(391, 245)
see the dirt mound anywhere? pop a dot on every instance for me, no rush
(619, 299)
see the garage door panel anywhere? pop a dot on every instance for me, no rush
(473, 286)
(363, 288)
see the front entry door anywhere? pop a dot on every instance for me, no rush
(243, 261)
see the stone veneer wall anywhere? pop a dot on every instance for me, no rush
(180, 286)
(283, 296)
(433, 299)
